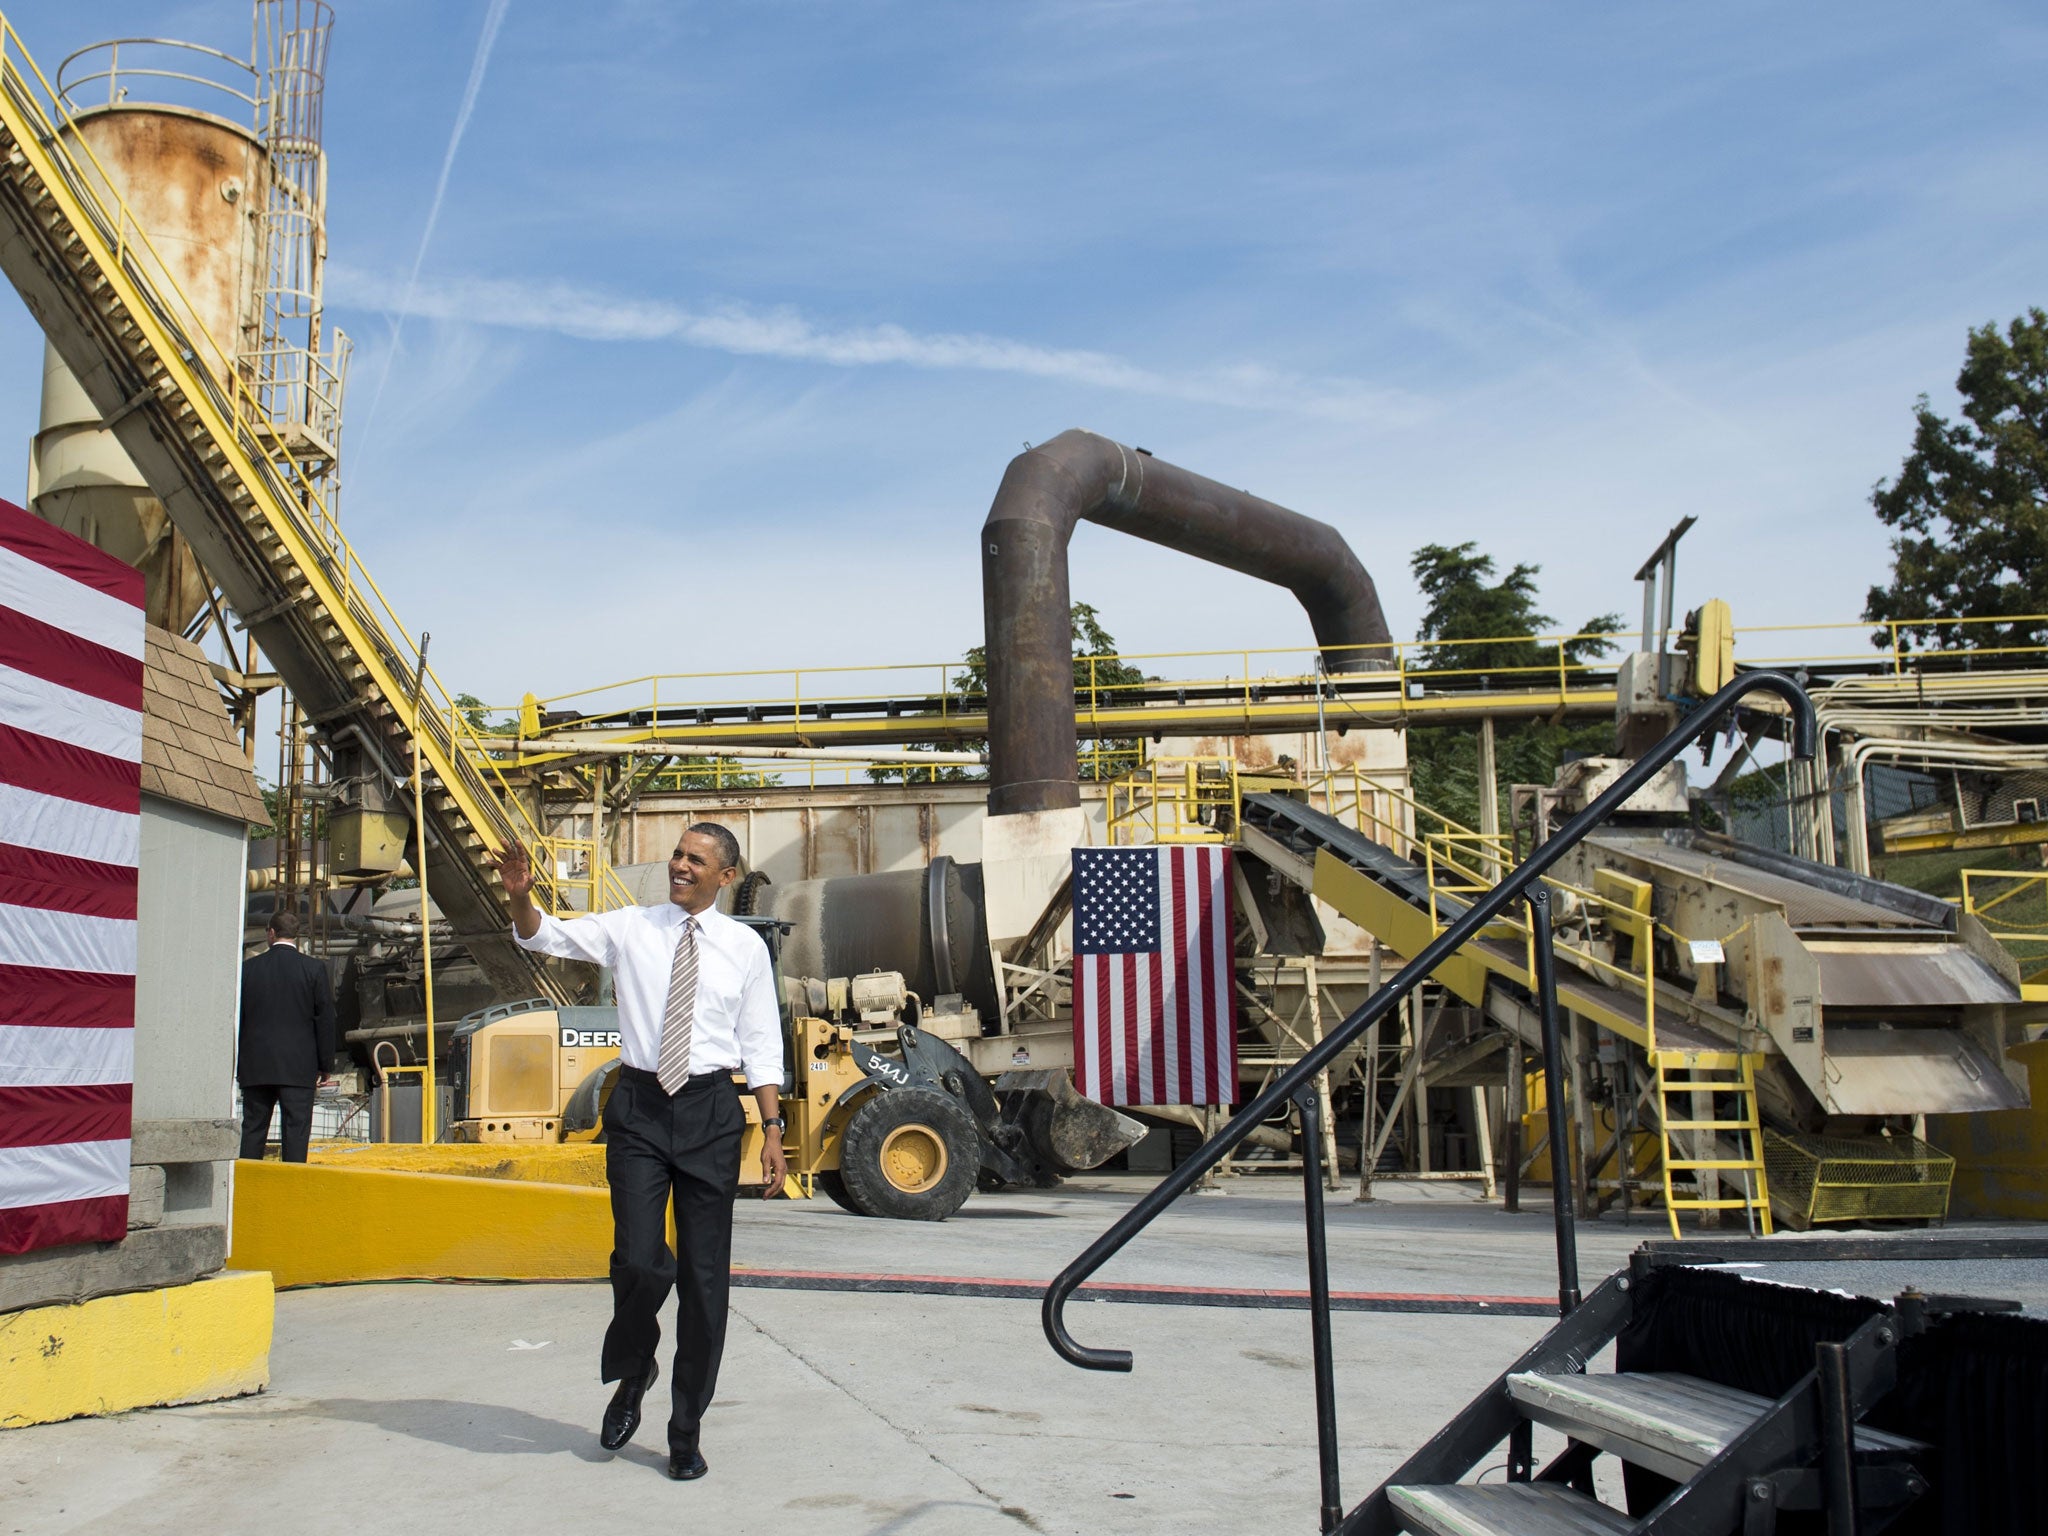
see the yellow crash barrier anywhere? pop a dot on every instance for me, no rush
(319, 1224)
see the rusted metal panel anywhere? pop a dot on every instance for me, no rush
(1876, 975)
(956, 830)
(898, 837)
(1382, 753)
(654, 836)
(193, 183)
(837, 846)
(1783, 984)
(1879, 1071)
(777, 845)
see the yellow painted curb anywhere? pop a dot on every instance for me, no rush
(181, 1344)
(580, 1163)
(317, 1224)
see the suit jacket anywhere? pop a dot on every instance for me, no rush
(287, 1036)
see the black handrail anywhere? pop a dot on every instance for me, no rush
(1477, 916)
(1568, 1297)
(1309, 1102)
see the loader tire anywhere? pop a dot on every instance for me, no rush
(747, 895)
(835, 1191)
(910, 1154)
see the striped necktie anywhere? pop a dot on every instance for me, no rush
(681, 1013)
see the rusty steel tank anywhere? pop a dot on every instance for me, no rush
(172, 131)
(928, 923)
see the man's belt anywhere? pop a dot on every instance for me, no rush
(699, 1081)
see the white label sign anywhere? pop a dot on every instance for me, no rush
(1707, 951)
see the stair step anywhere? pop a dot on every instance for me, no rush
(1506, 1509)
(1670, 1423)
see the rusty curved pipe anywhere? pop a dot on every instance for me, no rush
(1026, 605)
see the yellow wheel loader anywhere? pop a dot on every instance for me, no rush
(890, 1121)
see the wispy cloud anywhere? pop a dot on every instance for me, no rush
(589, 314)
(479, 62)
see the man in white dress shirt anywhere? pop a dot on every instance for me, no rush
(696, 1004)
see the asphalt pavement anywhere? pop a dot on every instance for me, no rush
(465, 1407)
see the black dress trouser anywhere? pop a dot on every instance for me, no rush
(296, 1131)
(683, 1147)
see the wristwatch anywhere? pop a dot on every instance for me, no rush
(775, 1120)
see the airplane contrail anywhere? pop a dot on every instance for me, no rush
(493, 20)
(587, 314)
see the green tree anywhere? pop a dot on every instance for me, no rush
(471, 708)
(273, 806)
(1097, 668)
(1970, 504)
(1485, 629)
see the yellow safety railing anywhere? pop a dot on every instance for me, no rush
(1182, 799)
(1899, 650)
(1461, 863)
(1464, 876)
(1175, 800)
(2007, 913)
(1358, 799)
(1465, 864)
(2013, 905)
(737, 767)
(1408, 673)
(946, 696)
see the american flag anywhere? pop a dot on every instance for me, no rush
(1155, 1004)
(71, 649)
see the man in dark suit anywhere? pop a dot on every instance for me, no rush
(287, 1040)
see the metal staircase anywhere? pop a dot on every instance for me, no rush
(1733, 1460)
(210, 453)
(1737, 1459)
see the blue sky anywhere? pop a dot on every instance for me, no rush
(733, 314)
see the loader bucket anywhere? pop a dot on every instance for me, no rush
(1067, 1132)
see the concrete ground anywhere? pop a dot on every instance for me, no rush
(473, 1407)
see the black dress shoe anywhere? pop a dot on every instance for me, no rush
(686, 1466)
(622, 1417)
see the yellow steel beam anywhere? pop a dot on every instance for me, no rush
(1163, 718)
(1399, 925)
(2016, 834)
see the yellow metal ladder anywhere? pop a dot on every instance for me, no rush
(1712, 1074)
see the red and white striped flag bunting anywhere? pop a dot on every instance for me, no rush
(1155, 1001)
(71, 656)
